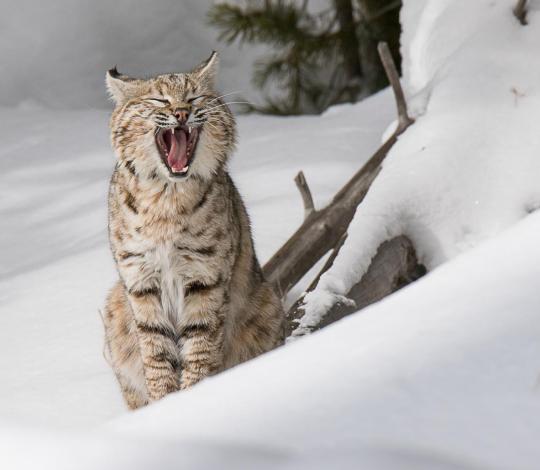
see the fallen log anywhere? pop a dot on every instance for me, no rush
(323, 229)
(394, 266)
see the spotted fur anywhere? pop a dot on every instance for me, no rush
(191, 299)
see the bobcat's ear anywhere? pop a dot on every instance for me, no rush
(207, 70)
(121, 88)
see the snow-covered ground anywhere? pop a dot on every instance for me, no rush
(444, 374)
(56, 266)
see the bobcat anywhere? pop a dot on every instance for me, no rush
(191, 299)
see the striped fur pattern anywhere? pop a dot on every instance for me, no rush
(191, 299)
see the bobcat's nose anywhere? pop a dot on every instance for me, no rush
(181, 114)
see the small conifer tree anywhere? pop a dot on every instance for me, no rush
(319, 58)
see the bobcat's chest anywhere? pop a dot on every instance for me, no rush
(164, 261)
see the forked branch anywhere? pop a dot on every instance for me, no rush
(324, 228)
(395, 263)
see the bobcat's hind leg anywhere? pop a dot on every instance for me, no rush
(123, 348)
(262, 330)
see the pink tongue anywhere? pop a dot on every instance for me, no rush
(177, 157)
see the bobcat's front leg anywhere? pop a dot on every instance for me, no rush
(157, 341)
(201, 335)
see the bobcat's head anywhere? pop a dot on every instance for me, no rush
(173, 125)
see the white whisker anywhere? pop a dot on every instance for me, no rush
(226, 94)
(224, 104)
(212, 125)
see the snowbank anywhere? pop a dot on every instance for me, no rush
(470, 165)
(441, 375)
(445, 371)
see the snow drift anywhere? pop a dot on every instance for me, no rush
(470, 165)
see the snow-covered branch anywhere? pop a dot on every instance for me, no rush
(394, 266)
(323, 229)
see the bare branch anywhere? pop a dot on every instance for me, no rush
(305, 192)
(320, 233)
(389, 65)
(324, 228)
(520, 11)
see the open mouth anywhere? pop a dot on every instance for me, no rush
(177, 147)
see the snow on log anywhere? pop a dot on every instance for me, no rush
(460, 175)
(322, 230)
(394, 266)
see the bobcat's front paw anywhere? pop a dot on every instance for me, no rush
(161, 386)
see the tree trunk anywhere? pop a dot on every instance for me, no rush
(350, 46)
(379, 21)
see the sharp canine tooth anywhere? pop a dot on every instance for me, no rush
(172, 130)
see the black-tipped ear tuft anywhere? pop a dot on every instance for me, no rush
(207, 70)
(114, 72)
(121, 87)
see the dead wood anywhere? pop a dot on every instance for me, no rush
(394, 266)
(305, 192)
(322, 229)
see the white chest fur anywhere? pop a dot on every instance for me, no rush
(172, 286)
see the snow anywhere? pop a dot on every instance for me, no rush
(439, 375)
(60, 56)
(469, 167)
(436, 369)
(444, 374)
(57, 267)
